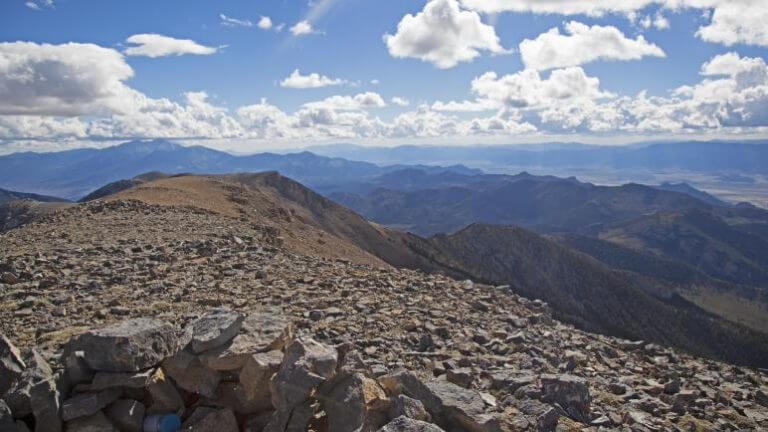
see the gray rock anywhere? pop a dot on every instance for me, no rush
(46, 406)
(6, 418)
(129, 346)
(87, 404)
(544, 416)
(214, 329)
(256, 373)
(191, 374)
(198, 414)
(306, 365)
(11, 364)
(163, 395)
(570, 392)
(127, 415)
(293, 420)
(232, 395)
(461, 377)
(257, 423)
(405, 406)
(19, 397)
(353, 403)
(94, 423)
(77, 370)
(269, 329)
(222, 420)
(405, 424)
(136, 380)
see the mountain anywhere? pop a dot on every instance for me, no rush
(582, 290)
(7, 196)
(76, 173)
(709, 156)
(692, 191)
(115, 310)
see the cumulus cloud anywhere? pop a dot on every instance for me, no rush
(313, 80)
(349, 103)
(732, 21)
(234, 22)
(68, 79)
(443, 34)
(265, 23)
(156, 45)
(583, 44)
(302, 28)
(400, 101)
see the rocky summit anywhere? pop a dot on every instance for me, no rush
(117, 312)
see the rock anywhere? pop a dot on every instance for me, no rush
(19, 397)
(222, 420)
(232, 395)
(6, 418)
(461, 377)
(353, 403)
(269, 329)
(257, 423)
(129, 346)
(198, 414)
(94, 423)
(86, 404)
(294, 420)
(77, 370)
(256, 373)
(405, 406)
(306, 365)
(570, 392)
(542, 415)
(135, 380)
(127, 415)
(405, 424)
(163, 396)
(190, 374)
(46, 406)
(11, 364)
(214, 329)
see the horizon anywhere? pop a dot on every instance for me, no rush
(270, 77)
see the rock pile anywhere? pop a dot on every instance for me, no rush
(479, 356)
(229, 372)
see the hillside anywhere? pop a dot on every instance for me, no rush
(479, 356)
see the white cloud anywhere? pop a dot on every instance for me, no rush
(349, 103)
(68, 79)
(32, 5)
(265, 23)
(39, 4)
(375, 82)
(732, 21)
(313, 80)
(479, 105)
(302, 28)
(234, 22)
(738, 22)
(156, 45)
(583, 44)
(400, 101)
(443, 34)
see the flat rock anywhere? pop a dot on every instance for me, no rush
(190, 374)
(86, 404)
(214, 329)
(136, 380)
(94, 423)
(128, 346)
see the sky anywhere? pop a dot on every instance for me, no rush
(251, 75)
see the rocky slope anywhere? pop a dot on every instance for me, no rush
(97, 264)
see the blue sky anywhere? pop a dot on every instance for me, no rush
(208, 71)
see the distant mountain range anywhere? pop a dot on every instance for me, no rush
(76, 173)
(710, 156)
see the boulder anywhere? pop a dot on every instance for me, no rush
(11, 364)
(134, 380)
(544, 416)
(405, 406)
(46, 406)
(77, 370)
(163, 396)
(353, 403)
(6, 418)
(294, 420)
(127, 415)
(232, 395)
(306, 365)
(256, 373)
(19, 397)
(97, 422)
(191, 374)
(129, 346)
(214, 329)
(570, 392)
(86, 404)
(222, 420)
(405, 424)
